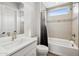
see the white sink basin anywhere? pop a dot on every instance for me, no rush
(12, 44)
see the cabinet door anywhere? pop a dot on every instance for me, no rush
(29, 50)
(32, 52)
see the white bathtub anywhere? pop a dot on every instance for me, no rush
(62, 47)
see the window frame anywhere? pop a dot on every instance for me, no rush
(61, 7)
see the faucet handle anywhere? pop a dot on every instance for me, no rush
(3, 32)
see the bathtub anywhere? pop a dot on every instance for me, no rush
(62, 47)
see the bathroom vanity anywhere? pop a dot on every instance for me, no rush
(13, 25)
(27, 50)
(21, 46)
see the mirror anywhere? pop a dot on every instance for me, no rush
(21, 16)
(11, 18)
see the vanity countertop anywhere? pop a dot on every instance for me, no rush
(10, 47)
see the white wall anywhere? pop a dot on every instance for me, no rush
(59, 26)
(31, 18)
(42, 7)
(28, 17)
(75, 23)
(36, 20)
(0, 19)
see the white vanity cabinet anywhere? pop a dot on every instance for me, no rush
(29, 50)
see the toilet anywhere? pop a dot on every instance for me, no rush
(42, 50)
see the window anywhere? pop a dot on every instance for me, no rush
(58, 11)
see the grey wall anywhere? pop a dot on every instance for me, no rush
(60, 26)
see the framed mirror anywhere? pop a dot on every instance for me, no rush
(11, 18)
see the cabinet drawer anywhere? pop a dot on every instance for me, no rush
(25, 50)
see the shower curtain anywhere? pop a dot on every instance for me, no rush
(43, 35)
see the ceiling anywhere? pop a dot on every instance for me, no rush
(52, 4)
(47, 4)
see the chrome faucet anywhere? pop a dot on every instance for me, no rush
(8, 33)
(13, 35)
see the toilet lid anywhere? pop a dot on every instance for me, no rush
(42, 47)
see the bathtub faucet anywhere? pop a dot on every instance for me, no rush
(72, 40)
